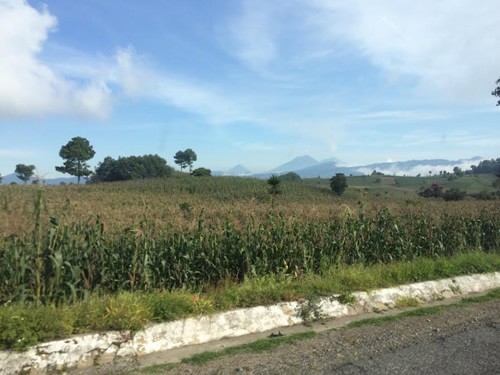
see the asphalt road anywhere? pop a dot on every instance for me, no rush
(473, 351)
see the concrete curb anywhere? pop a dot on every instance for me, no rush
(87, 350)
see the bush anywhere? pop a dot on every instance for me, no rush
(433, 191)
(126, 311)
(22, 326)
(485, 195)
(201, 172)
(290, 176)
(170, 306)
(454, 194)
(338, 183)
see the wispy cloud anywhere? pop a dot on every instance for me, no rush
(140, 80)
(450, 46)
(398, 116)
(253, 34)
(85, 85)
(422, 138)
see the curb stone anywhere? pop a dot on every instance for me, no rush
(82, 351)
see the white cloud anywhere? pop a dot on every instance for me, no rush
(422, 169)
(29, 87)
(450, 46)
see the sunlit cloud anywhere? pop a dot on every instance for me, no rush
(28, 86)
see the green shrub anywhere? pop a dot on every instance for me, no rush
(126, 311)
(170, 306)
(22, 326)
(454, 194)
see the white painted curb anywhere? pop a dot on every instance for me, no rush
(85, 350)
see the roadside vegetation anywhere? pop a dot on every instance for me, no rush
(122, 255)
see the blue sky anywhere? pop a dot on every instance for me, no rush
(253, 82)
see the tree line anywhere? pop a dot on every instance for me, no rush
(78, 151)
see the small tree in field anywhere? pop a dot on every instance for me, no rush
(185, 158)
(274, 183)
(338, 183)
(75, 153)
(24, 172)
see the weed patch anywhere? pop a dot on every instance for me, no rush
(257, 346)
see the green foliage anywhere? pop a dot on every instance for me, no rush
(169, 306)
(338, 183)
(131, 168)
(433, 191)
(274, 183)
(185, 158)
(201, 172)
(23, 326)
(290, 177)
(487, 166)
(217, 240)
(458, 172)
(347, 298)
(62, 262)
(126, 311)
(403, 302)
(454, 194)
(75, 153)
(485, 195)
(24, 172)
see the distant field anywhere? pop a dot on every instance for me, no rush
(60, 242)
(399, 187)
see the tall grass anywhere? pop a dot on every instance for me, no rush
(155, 245)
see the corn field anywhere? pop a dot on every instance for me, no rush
(62, 244)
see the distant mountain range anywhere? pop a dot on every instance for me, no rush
(308, 167)
(10, 178)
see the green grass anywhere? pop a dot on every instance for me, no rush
(346, 279)
(256, 346)
(407, 302)
(385, 319)
(492, 295)
(405, 187)
(158, 369)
